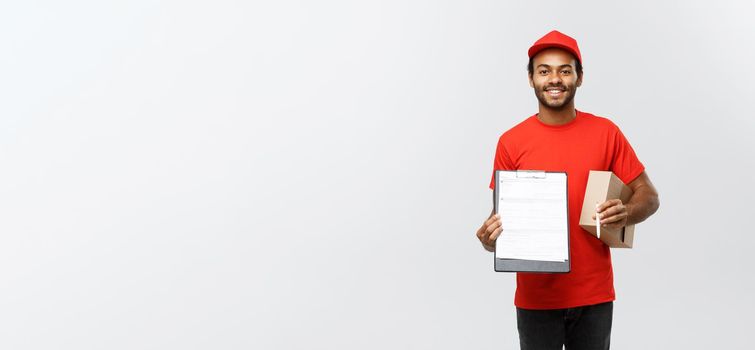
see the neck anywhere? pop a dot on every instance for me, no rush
(559, 116)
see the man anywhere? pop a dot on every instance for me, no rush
(573, 309)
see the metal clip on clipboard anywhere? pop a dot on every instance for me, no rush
(530, 174)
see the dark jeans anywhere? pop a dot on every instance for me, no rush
(579, 328)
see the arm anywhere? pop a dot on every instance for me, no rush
(643, 203)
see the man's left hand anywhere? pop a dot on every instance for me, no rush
(613, 214)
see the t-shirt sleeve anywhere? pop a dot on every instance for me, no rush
(502, 161)
(625, 163)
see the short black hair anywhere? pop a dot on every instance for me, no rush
(578, 68)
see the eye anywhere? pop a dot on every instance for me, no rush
(543, 72)
(566, 72)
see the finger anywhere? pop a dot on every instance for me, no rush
(613, 218)
(492, 231)
(491, 240)
(493, 227)
(607, 204)
(614, 210)
(480, 232)
(495, 235)
(597, 206)
(492, 219)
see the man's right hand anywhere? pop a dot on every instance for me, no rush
(489, 231)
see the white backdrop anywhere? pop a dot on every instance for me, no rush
(309, 175)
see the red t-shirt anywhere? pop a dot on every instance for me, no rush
(586, 143)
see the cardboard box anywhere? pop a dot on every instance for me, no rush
(602, 186)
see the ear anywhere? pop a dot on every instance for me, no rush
(529, 77)
(579, 80)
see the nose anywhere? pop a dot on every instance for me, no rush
(554, 79)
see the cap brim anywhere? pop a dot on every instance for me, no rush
(535, 49)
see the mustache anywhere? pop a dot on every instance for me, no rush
(562, 87)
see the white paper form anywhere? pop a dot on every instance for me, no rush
(533, 210)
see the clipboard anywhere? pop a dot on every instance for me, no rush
(533, 265)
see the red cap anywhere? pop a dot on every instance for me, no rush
(556, 39)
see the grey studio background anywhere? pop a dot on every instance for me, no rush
(310, 175)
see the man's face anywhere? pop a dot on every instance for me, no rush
(554, 77)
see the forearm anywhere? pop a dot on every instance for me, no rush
(643, 203)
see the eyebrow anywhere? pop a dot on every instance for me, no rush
(547, 66)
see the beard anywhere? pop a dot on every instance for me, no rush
(557, 104)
